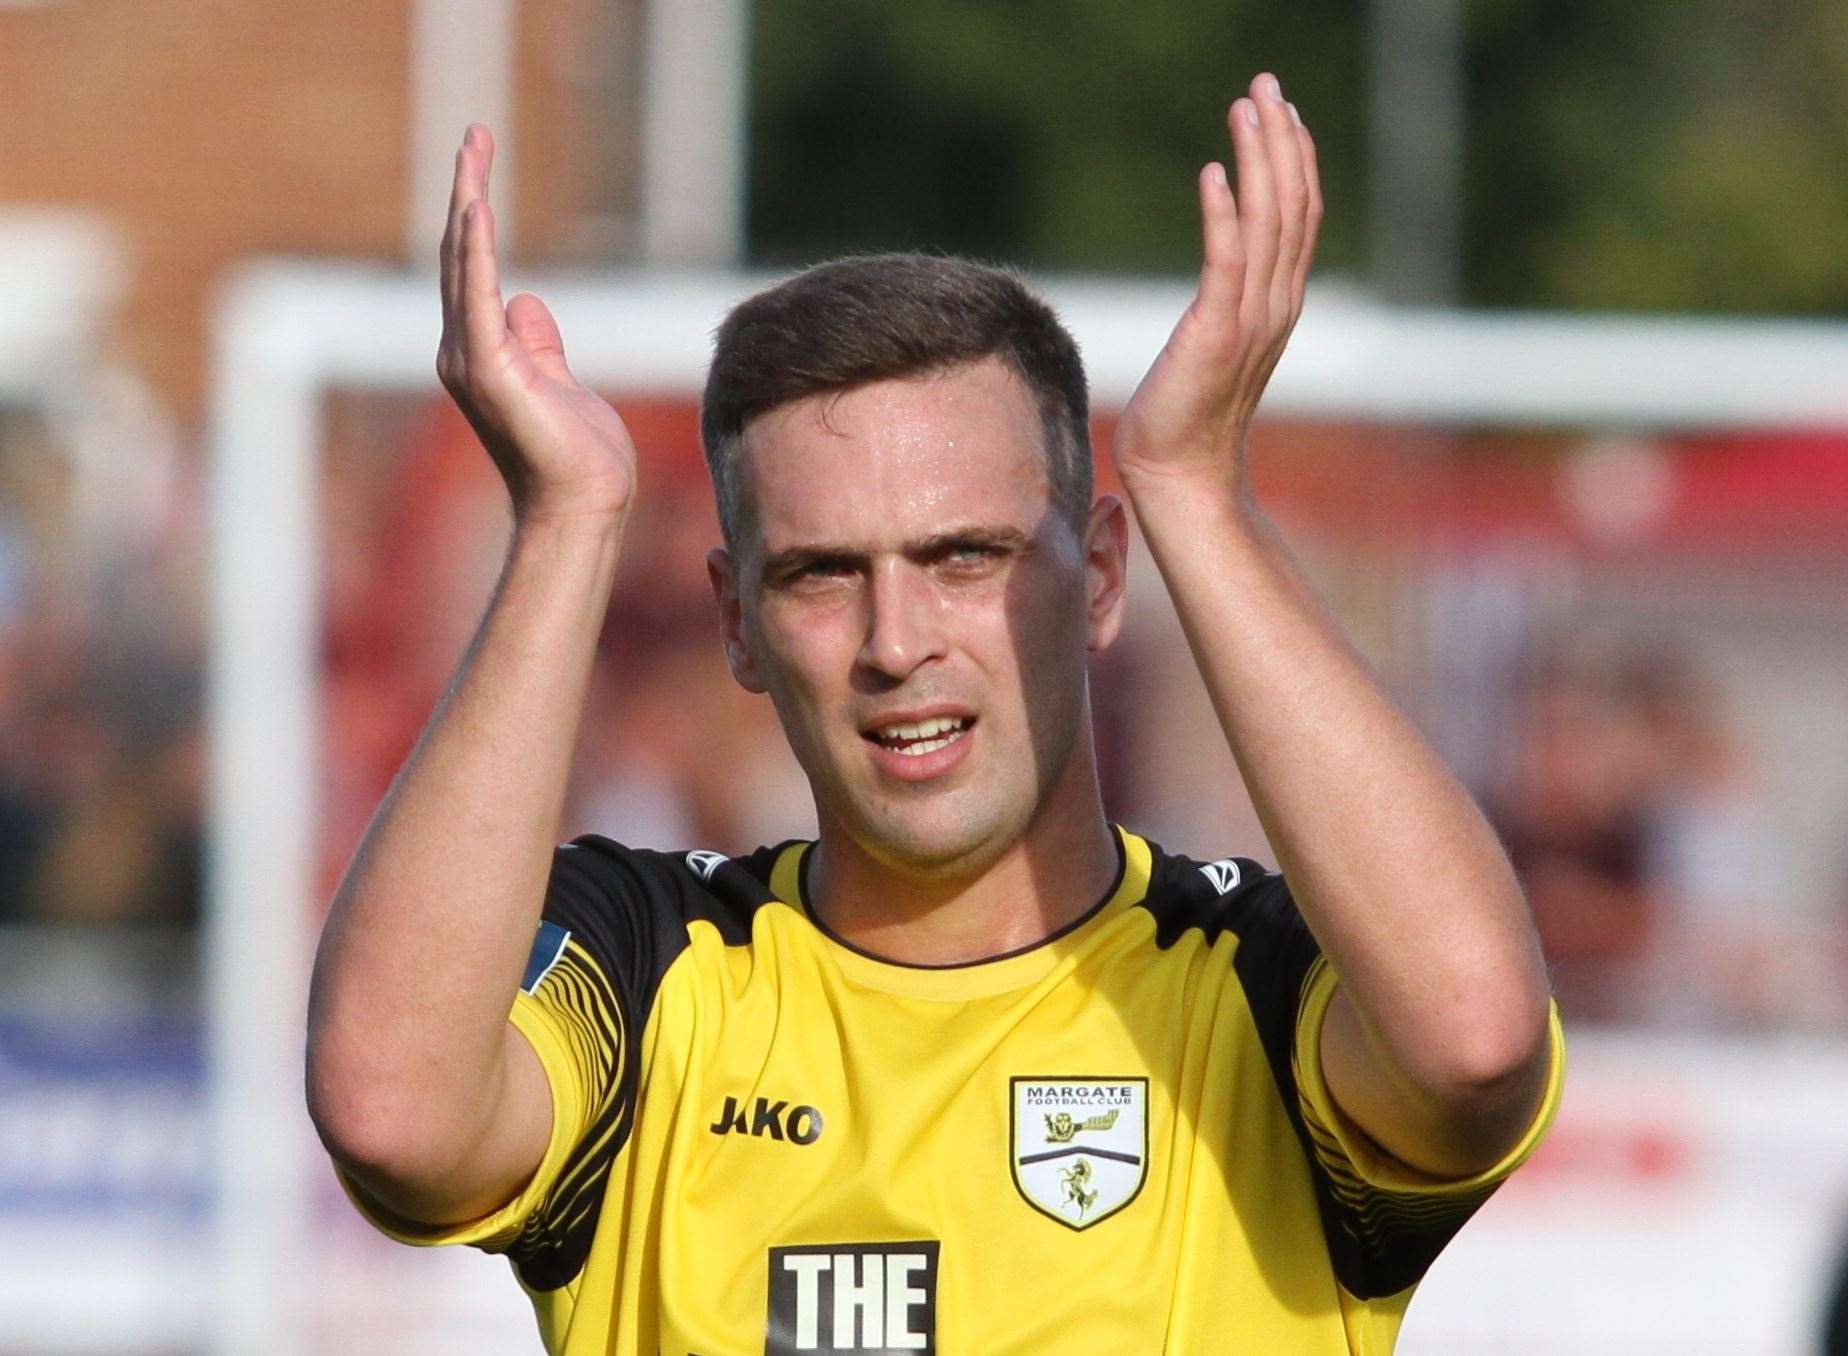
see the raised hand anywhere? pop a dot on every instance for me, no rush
(561, 449)
(1190, 414)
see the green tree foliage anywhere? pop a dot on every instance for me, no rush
(1659, 155)
(1635, 154)
(1059, 134)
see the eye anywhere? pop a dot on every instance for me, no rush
(970, 557)
(820, 570)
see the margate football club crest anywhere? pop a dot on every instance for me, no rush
(1080, 1149)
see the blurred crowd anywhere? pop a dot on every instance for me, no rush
(1632, 798)
(1633, 819)
(99, 695)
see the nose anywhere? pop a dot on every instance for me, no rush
(903, 621)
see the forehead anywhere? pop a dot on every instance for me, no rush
(899, 459)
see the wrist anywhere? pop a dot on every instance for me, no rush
(573, 509)
(546, 528)
(581, 500)
(1188, 485)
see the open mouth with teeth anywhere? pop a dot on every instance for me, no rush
(925, 736)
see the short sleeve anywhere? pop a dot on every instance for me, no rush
(1396, 1218)
(1384, 1223)
(572, 1095)
(1344, 1148)
(611, 925)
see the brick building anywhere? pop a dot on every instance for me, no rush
(198, 133)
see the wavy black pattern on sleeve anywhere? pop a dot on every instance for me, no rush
(1398, 1233)
(626, 911)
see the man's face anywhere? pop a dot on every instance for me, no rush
(918, 612)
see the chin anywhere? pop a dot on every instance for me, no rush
(941, 838)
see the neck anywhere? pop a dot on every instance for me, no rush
(1056, 871)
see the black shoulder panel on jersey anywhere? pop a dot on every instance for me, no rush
(1275, 946)
(1227, 895)
(1378, 1242)
(628, 909)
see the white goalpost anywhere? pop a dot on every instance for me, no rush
(288, 333)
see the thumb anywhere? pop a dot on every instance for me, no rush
(535, 331)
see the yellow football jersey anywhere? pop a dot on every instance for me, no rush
(1117, 1140)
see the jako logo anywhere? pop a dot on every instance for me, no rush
(801, 1125)
(705, 863)
(1224, 874)
(866, 1297)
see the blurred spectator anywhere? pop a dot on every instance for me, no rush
(1732, 955)
(99, 701)
(1630, 818)
(99, 782)
(1574, 817)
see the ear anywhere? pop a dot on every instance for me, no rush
(722, 570)
(1106, 566)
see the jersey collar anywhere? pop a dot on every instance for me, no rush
(969, 979)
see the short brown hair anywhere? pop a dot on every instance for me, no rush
(875, 317)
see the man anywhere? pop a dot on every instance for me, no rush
(974, 1072)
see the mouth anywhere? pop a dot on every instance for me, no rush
(919, 738)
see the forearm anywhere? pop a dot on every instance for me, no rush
(429, 932)
(1397, 873)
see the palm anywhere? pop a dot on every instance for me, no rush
(559, 446)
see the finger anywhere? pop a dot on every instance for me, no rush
(473, 161)
(483, 317)
(449, 252)
(530, 323)
(1257, 200)
(1286, 163)
(485, 140)
(1312, 227)
(463, 189)
(1222, 272)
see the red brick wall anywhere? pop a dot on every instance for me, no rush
(210, 130)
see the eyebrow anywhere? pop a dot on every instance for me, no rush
(919, 548)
